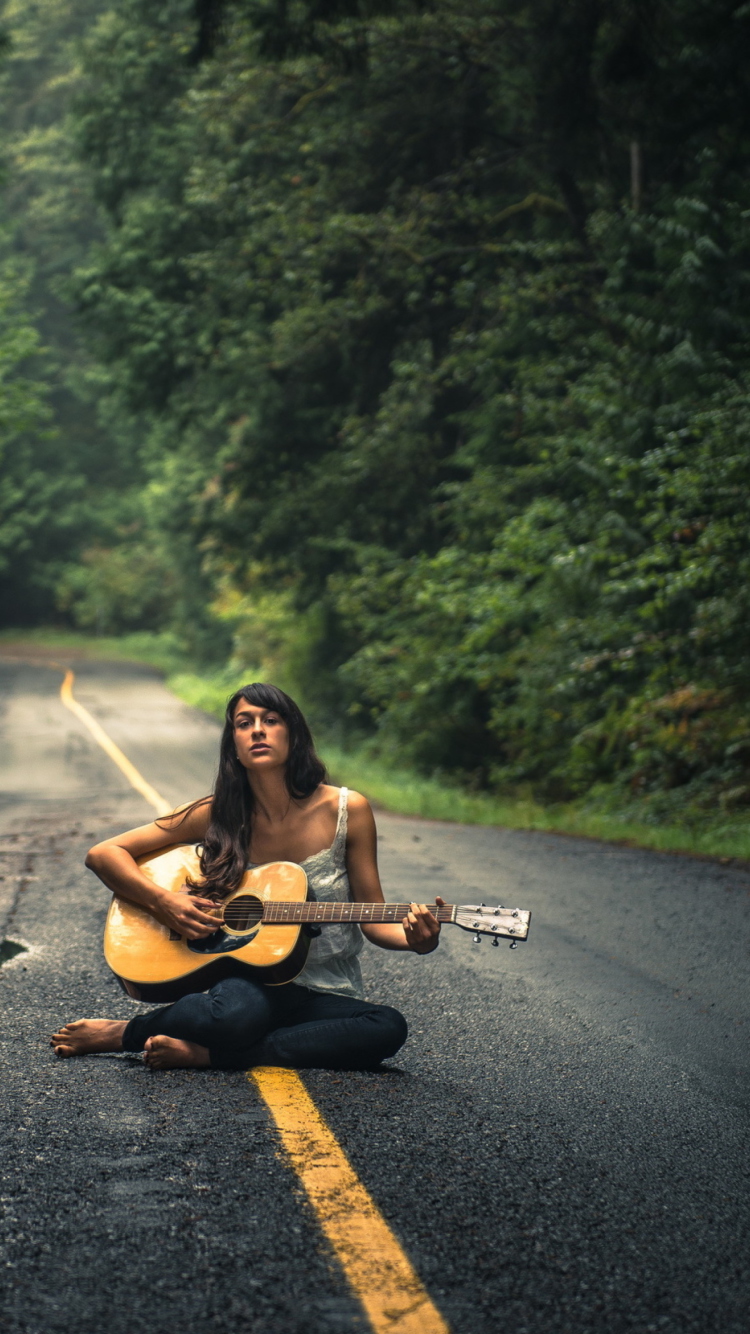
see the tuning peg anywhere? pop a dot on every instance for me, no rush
(495, 940)
(477, 939)
(514, 944)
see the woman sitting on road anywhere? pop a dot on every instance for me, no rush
(271, 803)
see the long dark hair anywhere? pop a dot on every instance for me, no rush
(227, 841)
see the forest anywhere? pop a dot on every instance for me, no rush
(399, 349)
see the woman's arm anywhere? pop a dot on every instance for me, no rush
(114, 863)
(419, 931)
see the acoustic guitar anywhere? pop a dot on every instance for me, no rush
(263, 929)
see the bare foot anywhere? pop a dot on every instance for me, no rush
(173, 1054)
(87, 1035)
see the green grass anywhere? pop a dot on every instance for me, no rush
(208, 692)
(397, 789)
(162, 651)
(393, 786)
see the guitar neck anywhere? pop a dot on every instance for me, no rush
(245, 911)
(348, 912)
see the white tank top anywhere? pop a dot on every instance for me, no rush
(332, 962)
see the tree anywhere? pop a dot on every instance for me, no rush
(75, 479)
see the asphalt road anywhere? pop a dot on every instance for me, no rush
(561, 1146)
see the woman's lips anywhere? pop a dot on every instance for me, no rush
(255, 750)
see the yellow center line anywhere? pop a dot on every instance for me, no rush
(136, 780)
(370, 1255)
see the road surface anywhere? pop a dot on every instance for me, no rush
(560, 1147)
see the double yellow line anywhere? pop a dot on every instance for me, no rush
(374, 1263)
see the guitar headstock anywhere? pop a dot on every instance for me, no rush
(511, 923)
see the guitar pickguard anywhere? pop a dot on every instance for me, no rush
(220, 943)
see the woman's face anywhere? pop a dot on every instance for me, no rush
(261, 737)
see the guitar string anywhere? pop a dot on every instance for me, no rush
(287, 919)
(281, 915)
(279, 905)
(238, 922)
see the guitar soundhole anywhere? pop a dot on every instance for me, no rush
(243, 913)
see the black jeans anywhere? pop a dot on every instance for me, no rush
(244, 1023)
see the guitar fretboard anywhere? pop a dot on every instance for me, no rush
(345, 912)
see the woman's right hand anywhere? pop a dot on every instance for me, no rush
(191, 917)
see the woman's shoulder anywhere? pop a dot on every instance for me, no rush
(190, 821)
(356, 802)
(329, 795)
(354, 811)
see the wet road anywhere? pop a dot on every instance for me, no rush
(561, 1146)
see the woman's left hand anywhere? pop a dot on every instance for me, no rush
(421, 928)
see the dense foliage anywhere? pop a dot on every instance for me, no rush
(430, 321)
(75, 485)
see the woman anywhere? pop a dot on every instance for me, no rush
(271, 802)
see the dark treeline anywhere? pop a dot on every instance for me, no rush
(418, 339)
(69, 475)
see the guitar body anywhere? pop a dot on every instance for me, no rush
(154, 965)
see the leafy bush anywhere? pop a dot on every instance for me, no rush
(118, 589)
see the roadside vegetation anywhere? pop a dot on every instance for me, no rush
(390, 783)
(399, 353)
